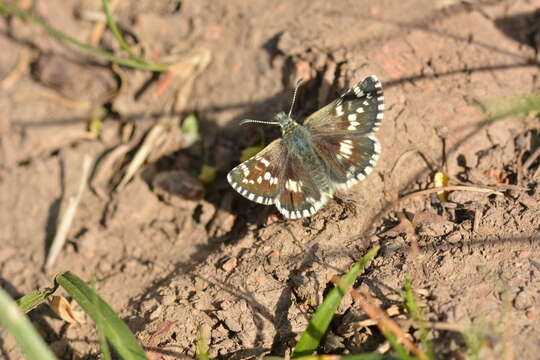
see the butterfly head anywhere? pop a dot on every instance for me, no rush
(286, 122)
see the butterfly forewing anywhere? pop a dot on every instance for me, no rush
(257, 178)
(349, 158)
(359, 110)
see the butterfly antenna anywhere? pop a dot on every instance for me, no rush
(245, 121)
(298, 83)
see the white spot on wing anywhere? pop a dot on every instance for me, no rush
(368, 170)
(285, 212)
(345, 147)
(353, 125)
(358, 92)
(292, 185)
(376, 144)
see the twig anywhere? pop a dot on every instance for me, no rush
(25, 58)
(436, 325)
(384, 322)
(450, 188)
(51, 96)
(531, 159)
(66, 221)
(154, 138)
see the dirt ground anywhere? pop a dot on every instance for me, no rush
(169, 264)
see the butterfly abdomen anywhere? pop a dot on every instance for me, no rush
(299, 142)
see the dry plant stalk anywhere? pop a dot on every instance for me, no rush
(384, 322)
(25, 58)
(451, 188)
(67, 219)
(99, 27)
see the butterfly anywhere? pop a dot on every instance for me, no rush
(332, 150)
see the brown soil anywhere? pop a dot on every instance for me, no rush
(169, 265)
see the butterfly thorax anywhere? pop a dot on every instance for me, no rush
(298, 142)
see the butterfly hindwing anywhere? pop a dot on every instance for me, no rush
(257, 178)
(299, 195)
(359, 110)
(343, 133)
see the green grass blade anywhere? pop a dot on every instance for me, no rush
(105, 350)
(59, 35)
(416, 314)
(12, 318)
(114, 329)
(31, 301)
(202, 345)
(311, 338)
(118, 36)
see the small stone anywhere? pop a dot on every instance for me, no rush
(523, 300)
(454, 237)
(149, 305)
(155, 314)
(430, 224)
(229, 264)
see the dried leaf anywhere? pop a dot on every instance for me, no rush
(64, 309)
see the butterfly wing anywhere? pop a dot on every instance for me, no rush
(343, 133)
(299, 196)
(359, 110)
(274, 176)
(348, 158)
(257, 178)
